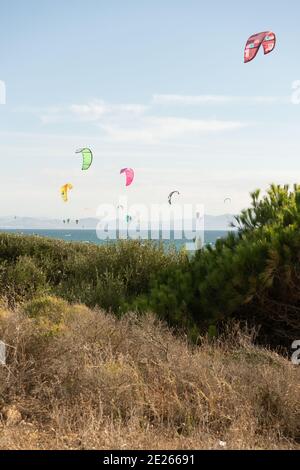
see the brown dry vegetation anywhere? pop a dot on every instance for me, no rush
(82, 379)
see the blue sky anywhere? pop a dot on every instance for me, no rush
(156, 85)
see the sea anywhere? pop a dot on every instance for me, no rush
(90, 237)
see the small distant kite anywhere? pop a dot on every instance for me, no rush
(171, 196)
(266, 39)
(129, 175)
(65, 191)
(87, 158)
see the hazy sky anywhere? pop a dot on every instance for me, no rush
(157, 85)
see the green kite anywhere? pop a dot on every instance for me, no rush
(87, 158)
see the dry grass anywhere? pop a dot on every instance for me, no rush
(83, 379)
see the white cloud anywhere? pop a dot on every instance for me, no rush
(153, 129)
(173, 126)
(112, 115)
(196, 100)
(90, 112)
(97, 109)
(135, 123)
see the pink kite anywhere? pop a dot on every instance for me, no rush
(129, 175)
(266, 39)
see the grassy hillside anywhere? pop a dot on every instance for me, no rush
(107, 276)
(82, 379)
(251, 276)
(77, 377)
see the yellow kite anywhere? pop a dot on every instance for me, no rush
(65, 190)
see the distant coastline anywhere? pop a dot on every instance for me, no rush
(211, 222)
(90, 235)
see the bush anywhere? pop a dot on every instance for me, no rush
(253, 275)
(53, 308)
(22, 280)
(107, 275)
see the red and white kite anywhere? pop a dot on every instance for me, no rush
(129, 175)
(266, 39)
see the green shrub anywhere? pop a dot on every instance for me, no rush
(49, 316)
(107, 276)
(46, 306)
(23, 280)
(252, 275)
